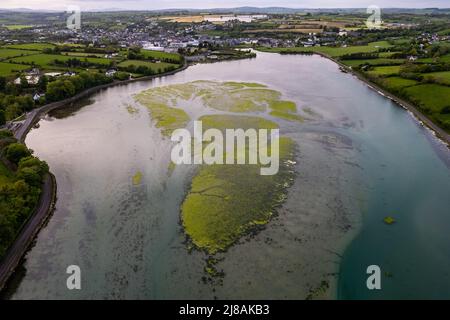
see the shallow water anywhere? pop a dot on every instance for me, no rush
(361, 158)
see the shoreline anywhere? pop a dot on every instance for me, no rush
(48, 197)
(418, 115)
(29, 230)
(333, 292)
(33, 116)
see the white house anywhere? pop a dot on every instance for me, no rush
(110, 73)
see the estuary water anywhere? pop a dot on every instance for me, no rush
(361, 158)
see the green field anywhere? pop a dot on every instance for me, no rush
(158, 55)
(152, 65)
(373, 62)
(386, 54)
(385, 71)
(7, 69)
(11, 53)
(45, 60)
(333, 51)
(397, 83)
(32, 46)
(18, 26)
(442, 77)
(83, 54)
(432, 97)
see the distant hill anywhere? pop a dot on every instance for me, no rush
(259, 10)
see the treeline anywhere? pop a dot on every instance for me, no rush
(360, 56)
(147, 71)
(15, 99)
(66, 87)
(419, 72)
(77, 63)
(19, 191)
(135, 53)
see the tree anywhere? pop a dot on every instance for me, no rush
(23, 82)
(31, 176)
(17, 151)
(42, 83)
(41, 167)
(2, 83)
(2, 117)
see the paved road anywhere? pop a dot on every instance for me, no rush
(22, 130)
(12, 258)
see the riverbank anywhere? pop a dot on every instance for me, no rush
(423, 119)
(33, 116)
(47, 200)
(29, 231)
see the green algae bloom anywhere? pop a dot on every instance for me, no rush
(137, 178)
(227, 201)
(389, 220)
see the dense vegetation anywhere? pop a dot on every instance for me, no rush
(21, 176)
(66, 87)
(87, 62)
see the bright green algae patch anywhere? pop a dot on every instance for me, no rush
(160, 103)
(137, 178)
(164, 102)
(287, 116)
(286, 110)
(227, 201)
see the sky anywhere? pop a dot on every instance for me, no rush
(205, 4)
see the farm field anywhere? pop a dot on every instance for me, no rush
(373, 62)
(333, 51)
(397, 83)
(45, 60)
(442, 77)
(385, 70)
(158, 55)
(32, 46)
(11, 53)
(82, 54)
(152, 65)
(23, 56)
(6, 69)
(18, 26)
(432, 97)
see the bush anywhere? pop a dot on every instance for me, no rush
(5, 134)
(445, 110)
(31, 176)
(16, 151)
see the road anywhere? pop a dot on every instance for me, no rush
(22, 130)
(12, 258)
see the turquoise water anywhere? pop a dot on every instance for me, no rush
(409, 176)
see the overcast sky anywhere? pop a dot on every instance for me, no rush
(164, 4)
